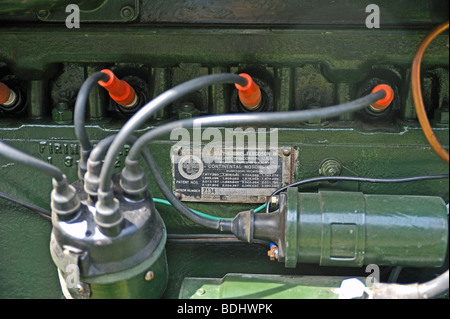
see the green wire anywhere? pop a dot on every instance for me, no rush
(166, 202)
(260, 208)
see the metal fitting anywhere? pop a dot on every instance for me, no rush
(62, 114)
(330, 168)
(274, 200)
(188, 110)
(273, 252)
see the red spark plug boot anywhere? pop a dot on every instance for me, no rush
(7, 96)
(383, 103)
(249, 95)
(120, 91)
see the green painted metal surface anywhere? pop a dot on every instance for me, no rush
(312, 55)
(248, 286)
(257, 12)
(141, 286)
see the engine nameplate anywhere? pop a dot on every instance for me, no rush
(239, 177)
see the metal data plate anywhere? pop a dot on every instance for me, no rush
(237, 178)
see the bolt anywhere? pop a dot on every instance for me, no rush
(286, 151)
(187, 106)
(187, 110)
(149, 275)
(127, 12)
(62, 114)
(62, 106)
(330, 168)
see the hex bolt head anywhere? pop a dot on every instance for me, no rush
(330, 168)
(62, 114)
(188, 110)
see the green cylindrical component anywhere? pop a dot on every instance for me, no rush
(335, 228)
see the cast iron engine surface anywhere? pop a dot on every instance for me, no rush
(305, 60)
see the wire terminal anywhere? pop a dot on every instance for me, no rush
(120, 91)
(250, 94)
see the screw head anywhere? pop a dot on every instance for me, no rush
(286, 151)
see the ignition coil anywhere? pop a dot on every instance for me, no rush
(351, 229)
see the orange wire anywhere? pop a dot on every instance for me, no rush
(417, 92)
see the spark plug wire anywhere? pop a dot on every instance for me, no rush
(119, 90)
(417, 92)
